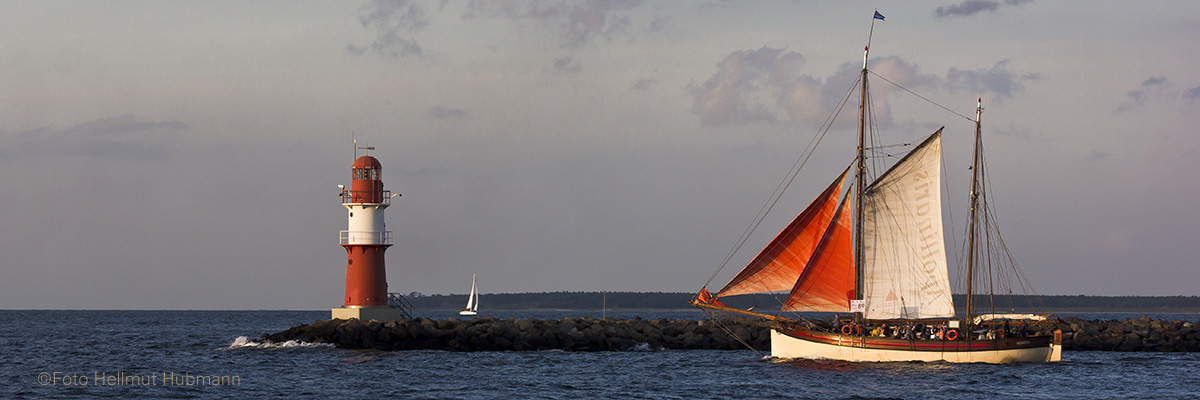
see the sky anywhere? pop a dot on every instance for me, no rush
(186, 155)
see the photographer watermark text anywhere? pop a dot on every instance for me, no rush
(105, 378)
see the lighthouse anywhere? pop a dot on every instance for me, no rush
(365, 241)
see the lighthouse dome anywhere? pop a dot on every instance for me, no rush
(366, 168)
(366, 162)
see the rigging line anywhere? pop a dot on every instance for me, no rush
(729, 331)
(889, 146)
(922, 97)
(872, 129)
(876, 162)
(783, 185)
(949, 204)
(1022, 280)
(1001, 251)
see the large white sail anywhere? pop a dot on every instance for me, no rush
(904, 267)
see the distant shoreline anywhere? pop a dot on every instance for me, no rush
(667, 301)
(678, 302)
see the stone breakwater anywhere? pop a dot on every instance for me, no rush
(1142, 334)
(589, 334)
(491, 334)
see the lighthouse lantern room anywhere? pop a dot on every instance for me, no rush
(365, 240)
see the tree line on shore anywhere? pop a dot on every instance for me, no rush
(766, 303)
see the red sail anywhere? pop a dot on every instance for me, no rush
(778, 266)
(827, 283)
(705, 297)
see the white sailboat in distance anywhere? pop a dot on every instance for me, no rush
(472, 300)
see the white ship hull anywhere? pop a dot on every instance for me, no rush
(860, 349)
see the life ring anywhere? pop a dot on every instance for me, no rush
(952, 334)
(846, 330)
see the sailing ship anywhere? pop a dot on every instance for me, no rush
(472, 300)
(879, 254)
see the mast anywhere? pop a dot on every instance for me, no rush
(859, 176)
(971, 219)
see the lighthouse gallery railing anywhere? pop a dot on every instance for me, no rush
(365, 237)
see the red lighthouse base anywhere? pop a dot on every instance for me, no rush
(366, 286)
(366, 279)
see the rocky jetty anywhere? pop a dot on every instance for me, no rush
(1142, 334)
(491, 334)
(589, 334)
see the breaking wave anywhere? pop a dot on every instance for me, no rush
(644, 346)
(244, 342)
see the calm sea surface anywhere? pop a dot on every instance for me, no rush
(211, 354)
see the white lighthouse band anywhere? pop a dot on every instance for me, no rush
(365, 222)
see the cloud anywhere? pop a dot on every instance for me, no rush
(643, 84)
(1191, 95)
(1097, 156)
(998, 80)
(971, 7)
(1154, 81)
(439, 112)
(760, 86)
(124, 137)
(739, 92)
(1018, 132)
(578, 23)
(124, 124)
(658, 23)
(1152, 88)
(390, 18)
(566, 65)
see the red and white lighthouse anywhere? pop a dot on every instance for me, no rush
(365, 240)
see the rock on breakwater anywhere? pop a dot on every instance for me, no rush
(1142, 334)
(589, 334)
(492, 334)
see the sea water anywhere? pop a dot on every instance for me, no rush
(213, 354)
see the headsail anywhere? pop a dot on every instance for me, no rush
(780, 264)
(827, 283)
(904, 267)
(473, 298)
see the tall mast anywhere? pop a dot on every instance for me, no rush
(971, 220)
(859, 176)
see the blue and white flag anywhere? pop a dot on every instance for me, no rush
(878, 16)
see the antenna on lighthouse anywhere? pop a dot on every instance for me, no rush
(366, 153)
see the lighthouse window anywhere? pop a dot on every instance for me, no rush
(349, 262)
(369, 174)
